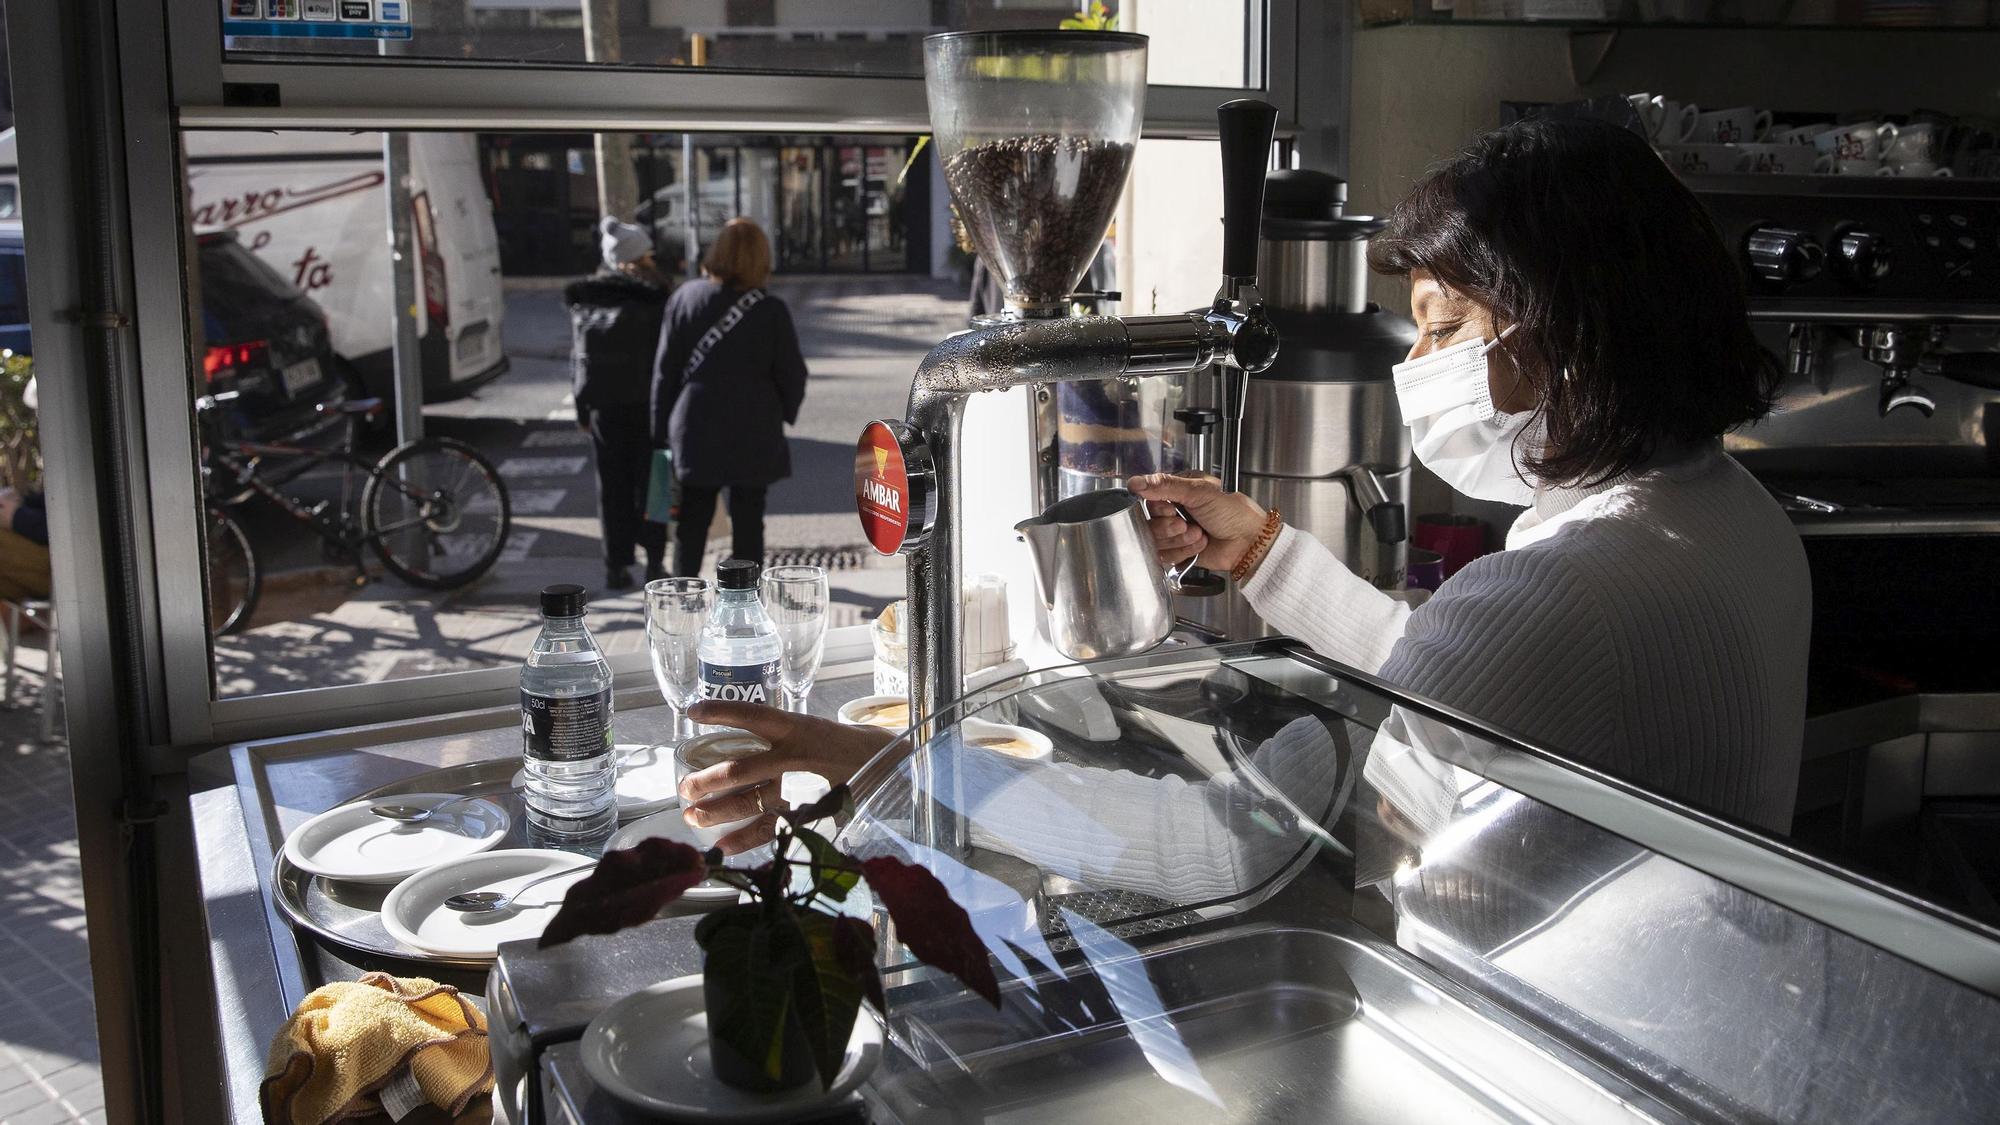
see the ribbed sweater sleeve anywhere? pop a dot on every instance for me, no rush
(1519, 639)
(1302, 589)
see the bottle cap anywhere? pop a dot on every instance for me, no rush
(564, 599)
(737, 574)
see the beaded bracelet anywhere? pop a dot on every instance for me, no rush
(1258, 547)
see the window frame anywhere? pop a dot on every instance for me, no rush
(214, 89)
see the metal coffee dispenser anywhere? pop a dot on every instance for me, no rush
(1322, 439)
(1036, 132)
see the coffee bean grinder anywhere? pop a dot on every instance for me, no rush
(1036, 133)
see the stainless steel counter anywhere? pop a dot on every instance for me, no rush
(245, 799)
(1495, 944)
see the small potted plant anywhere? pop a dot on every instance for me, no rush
(783, 978)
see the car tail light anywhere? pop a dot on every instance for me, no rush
(436, 307)
(224, 360)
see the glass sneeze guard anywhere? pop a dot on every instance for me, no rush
(1250, 884)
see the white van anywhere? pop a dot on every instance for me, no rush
(312, 206)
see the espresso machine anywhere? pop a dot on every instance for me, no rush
(1036, 132)
(1323, 440)
(1883, 296)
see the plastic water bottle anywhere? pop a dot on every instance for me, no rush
(740, 651)
(566, 730)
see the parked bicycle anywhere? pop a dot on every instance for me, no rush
(433, 510)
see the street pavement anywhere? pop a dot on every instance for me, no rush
(48, 1030)
(315, 626)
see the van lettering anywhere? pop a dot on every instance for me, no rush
(311, 272)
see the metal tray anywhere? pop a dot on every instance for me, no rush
(349, 914)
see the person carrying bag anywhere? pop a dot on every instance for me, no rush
(728, 378)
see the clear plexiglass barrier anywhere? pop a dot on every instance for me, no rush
(1243, 883)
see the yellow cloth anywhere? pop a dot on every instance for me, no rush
(350, 1039)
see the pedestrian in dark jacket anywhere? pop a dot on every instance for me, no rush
(729, 378)
(615, 318)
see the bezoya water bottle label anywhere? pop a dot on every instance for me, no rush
(565, 728)
(741, 683)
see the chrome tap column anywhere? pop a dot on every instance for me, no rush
(1013, 354)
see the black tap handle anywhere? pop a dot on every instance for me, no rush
(1197, 420)
(1390, 522)
(1247, 126)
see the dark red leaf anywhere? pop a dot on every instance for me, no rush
(935, 928)
(854, 946)
(629, 887)
(835, 801)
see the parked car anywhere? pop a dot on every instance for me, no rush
(270, 343)
(311, 205)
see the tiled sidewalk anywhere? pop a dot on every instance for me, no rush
(48, 1035)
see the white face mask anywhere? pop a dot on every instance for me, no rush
(1454, 429)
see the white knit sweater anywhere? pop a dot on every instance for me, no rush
(1655, 627)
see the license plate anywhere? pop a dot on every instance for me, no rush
(300, 375)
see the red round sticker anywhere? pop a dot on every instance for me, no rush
(882, 488)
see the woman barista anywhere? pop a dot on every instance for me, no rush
(1583, 346)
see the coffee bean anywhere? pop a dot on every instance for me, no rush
(1037, 207)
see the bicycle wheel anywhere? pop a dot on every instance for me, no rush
(233, 579)
(436, 511)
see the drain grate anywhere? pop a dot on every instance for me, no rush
(832, 558)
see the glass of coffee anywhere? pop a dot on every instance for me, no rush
(713, 749)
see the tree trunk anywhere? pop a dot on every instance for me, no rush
(617, 184)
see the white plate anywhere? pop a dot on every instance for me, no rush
(415, 913)
(355, 845)
(645, 779)
(650, 1050)
(668, 825)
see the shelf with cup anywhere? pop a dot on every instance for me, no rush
(1746, 140)
(1687, 15)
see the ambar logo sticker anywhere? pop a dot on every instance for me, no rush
(882, 488)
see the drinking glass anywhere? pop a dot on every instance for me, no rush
(795, 598)
(676, 609)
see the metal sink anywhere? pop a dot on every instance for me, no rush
(1254, 1023)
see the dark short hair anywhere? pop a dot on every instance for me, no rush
(1630, 311)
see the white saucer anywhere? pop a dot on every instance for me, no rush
(650, 1050)
(645, 782)
(415, 913)
(974, 731)
(668, 825)
(352, 844)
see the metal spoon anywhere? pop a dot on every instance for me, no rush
(415, 814)
(485, 902)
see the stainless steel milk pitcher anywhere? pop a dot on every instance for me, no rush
(1098, 576)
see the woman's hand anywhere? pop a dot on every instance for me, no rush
(798, 742)
(1225, 523)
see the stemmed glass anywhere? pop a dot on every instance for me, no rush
(795, 598)
(676, 609)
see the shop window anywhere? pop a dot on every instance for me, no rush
(297, 318)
